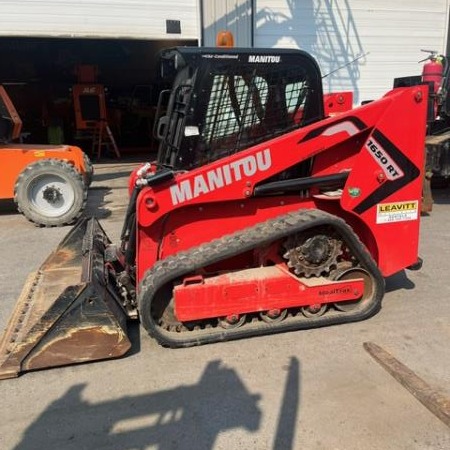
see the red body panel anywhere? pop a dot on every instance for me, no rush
(260, 289)
(337, 102)
(381, 144)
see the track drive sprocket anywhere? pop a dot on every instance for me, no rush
(313, 253)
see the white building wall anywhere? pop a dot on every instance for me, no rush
(135, 19)
(389, 33)
(230, 15)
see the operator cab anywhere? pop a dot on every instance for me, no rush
(227, 100)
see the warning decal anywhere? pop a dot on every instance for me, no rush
(397, 212)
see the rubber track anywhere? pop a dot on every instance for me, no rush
(183, 263)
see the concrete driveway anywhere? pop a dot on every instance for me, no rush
(314, 389)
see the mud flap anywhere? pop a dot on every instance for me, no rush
(68, 311)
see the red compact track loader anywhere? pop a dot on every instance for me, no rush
(260, 215)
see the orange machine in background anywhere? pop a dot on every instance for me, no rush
(47, 182)
(90, 110)
(10, 122)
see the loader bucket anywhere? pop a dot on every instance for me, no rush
(67, 312)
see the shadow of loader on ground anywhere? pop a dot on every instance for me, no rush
(187, 417)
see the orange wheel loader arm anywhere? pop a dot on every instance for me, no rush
(10, 122)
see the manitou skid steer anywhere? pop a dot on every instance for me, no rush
(47, 182)
(260, 215)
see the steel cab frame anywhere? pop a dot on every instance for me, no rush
(226, 100)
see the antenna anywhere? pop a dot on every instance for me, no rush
(345, 65)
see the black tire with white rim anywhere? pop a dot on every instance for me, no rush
(50, 192)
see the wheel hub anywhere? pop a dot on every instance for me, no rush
(313, 253)
(273, 315)
(232, 321)
(369, 287)
(52, 194)
(315, 310)
(316, 249)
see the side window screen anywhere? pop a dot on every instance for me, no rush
(296, 94)
(236, 105)
(221, 118)
(249, 104)
(239, 105)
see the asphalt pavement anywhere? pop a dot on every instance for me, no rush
(315, 389)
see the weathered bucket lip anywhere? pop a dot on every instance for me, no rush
(80, 247)
(63, 300)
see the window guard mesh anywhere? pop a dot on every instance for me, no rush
(252, 107)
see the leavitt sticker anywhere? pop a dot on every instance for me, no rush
(397, 212)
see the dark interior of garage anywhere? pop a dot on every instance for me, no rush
(39, 75)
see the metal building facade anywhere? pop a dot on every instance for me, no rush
(363, 44)
(232, 15)
(127, 19)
